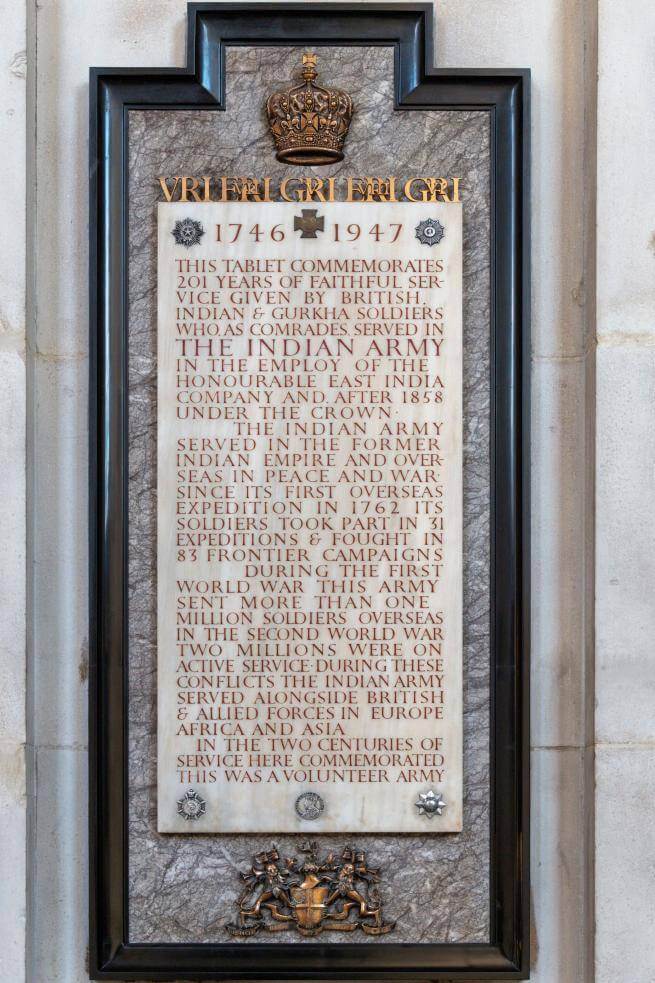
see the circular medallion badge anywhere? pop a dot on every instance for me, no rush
(309, 805)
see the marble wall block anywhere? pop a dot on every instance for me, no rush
(380, 142)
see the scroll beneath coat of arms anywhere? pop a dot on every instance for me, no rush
(337, 894)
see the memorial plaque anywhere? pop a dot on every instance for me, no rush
(309, 491)
(309, 495)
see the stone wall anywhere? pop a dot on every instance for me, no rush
(625, 492)
(556, 38)
(13, 535)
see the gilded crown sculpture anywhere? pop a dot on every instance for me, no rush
(309, 122)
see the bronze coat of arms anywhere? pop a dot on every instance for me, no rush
(337, 894)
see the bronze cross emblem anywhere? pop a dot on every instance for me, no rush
(309, 224)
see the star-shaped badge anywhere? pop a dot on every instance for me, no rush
(430, 231)
(430, 804)
(187, 232)
(191, 806)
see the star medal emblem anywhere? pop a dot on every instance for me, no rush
(430, 232)
(191, 806)
(430, 804)
(187, 232)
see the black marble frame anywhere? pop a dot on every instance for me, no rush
(504, 94)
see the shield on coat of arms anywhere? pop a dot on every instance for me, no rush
(309, 903)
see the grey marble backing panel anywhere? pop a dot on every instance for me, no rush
(182, 888)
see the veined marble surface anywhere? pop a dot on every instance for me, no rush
(183, 888)
(384, 801)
